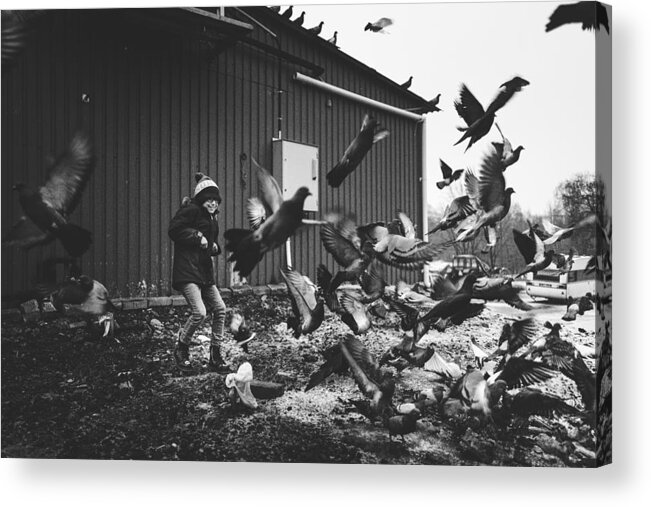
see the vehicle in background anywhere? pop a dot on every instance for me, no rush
(560, 284)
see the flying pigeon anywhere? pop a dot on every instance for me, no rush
(405, 253)
(379, 25)
(533, 251)
(489, 197)
(509, 155)
(492, 289)
(316, 30)
(591, 15)
(478, 121)
(531, 401)
(560, 233)
(458, 209)
(369, 134)
(353, 313)
(452, 305)
(448, 175)
(283, 218)
(48, 207)
(307, 307)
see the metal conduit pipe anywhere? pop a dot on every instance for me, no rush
(393, 110)
(358, 98)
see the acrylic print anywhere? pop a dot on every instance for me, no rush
(329, 234)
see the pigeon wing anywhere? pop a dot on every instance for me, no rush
(491, 181)
(342, 242)
(255, 212)
(522, 331)
(407, 253)
(408, 229)
(269, 188)
(525, 244)
(520, 372)
(467, 106)
(69, 175)
(26, 234)
(300, 291)
(446, 170)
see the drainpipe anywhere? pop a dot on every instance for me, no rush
(390, 109)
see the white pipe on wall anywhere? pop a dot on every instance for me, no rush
(359, 98)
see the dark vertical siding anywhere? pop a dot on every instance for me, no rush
(162, 108)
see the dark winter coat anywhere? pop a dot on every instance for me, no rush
(193, 264)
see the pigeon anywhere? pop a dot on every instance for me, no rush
(509, 155)
(402, 424)
(493, 289)
(560, 233)
(443, 286)
(489, 197)
(369, 134)
(325, 284)
(353, 313)
(482, 391)
(459, 209)
(430, 107)
(299, 20)
(283, 218)
(591, 15)
(333, 39)
(316, 30)
(374, 382)
(514, 336)
(275, 8)
(452, 305)
(241, 332)
(571, 311)
(379, 25)
(341, 240)
(407, 253)
(307, 307)
(86, 298)
(448, 175)
(531, 401)
(48, 207)
(409, 321)
(407, 83)
(402, 225)
(288, 13)
(533, 251)
(478, 121)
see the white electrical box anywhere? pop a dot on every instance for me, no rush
(299, 165)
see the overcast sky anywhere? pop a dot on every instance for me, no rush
(484, 45)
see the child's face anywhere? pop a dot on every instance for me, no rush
(211, 206)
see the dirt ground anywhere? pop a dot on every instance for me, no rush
(64, 396)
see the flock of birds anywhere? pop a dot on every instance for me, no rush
(362, 252)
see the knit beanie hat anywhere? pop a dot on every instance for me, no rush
(206, 189)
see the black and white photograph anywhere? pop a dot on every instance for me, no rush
(326, 234)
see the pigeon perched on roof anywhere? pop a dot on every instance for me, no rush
(591, 15)
(509, 155)
(431, 107)
(307, 307)
(48, 207)
(489, 197)
(369, 134)
(273, 222)
(533, 251)
(299, 20)
(449, 176)
(379, 25)
(316, 30)
(333, 39)
(478, 121)
(288, 13)
(407, 83)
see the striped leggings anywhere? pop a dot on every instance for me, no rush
(204, 301)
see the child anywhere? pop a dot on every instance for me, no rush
(194, 230)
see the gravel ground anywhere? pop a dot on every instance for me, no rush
(64, 396)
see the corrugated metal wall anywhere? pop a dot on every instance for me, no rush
(162, 108)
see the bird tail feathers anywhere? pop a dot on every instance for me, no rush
(337, 175)
(246, 252)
